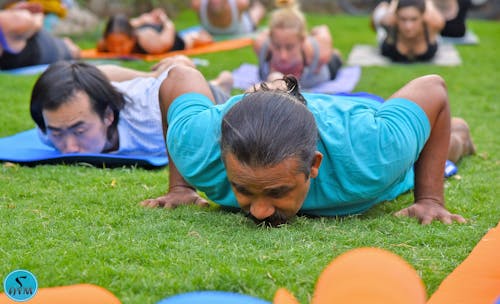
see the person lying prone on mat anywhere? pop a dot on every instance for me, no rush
(455, 15)
(409, 29)
(229, 17)
(23, 42)
(149, 33)
(78, 109)
(275, 152)
(286, 48)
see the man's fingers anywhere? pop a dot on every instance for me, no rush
(403, 212)
(458, 218)
(151, 203)
(201, 202)
(446, 219)
(426, 220)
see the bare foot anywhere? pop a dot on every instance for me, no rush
(460, 140)
(196, 39)
(224, 81)
(73, 48)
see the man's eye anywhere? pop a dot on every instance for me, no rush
(242, 190)
(275, 194)
(80, 132)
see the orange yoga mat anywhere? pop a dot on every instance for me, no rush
(365, 275)
(213, 47)
(477, 279)
(74, 294)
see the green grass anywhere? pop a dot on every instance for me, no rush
(77, 224)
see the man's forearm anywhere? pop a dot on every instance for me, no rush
(175, 178)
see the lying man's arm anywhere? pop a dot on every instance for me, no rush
(119, 73)
(430, 94)
(181, 80)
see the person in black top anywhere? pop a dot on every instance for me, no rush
(455, 13)
(23, 42)
(410, 29)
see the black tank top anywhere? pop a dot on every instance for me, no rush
(389, 48)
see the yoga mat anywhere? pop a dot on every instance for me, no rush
(26, 148)
(347, 77)
(477, 279)
(213, 47)
(369, 55)
(470, 38)
(74, 294)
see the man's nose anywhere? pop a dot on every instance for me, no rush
(262, 209)
(71, 145)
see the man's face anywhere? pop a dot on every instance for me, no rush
(75, 127)
(270, 194)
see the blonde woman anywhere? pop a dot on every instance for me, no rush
(287, 48)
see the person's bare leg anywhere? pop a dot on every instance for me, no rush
(460, 140)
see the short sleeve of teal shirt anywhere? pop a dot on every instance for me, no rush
(369, 149)
(194, 124)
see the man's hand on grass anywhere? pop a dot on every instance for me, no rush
(428, 210)
(177, 196)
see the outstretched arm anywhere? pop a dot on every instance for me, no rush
(430, 93)
(119, 73)
(433, 17)
(325, 43)
(181, 80)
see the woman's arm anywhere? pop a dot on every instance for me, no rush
(388, 18)
(325, 43)
(433, 17)
(259, 41)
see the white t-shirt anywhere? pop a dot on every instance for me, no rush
(140, 128)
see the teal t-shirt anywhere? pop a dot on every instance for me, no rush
(368, 148)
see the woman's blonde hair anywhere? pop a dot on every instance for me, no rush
(288, 16)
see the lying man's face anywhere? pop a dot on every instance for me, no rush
(272, 195)
(75, 127)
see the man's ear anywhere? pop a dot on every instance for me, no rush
(318, 157)
(109, 117)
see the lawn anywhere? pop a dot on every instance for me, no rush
(79, 224)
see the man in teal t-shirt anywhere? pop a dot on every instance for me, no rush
(274, 152)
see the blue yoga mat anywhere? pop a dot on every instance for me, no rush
(27, 148)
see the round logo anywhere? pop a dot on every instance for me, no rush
(20, 285)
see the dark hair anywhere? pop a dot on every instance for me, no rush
(63, 79)
(419, 4)
(118, 23)
(270, 125)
